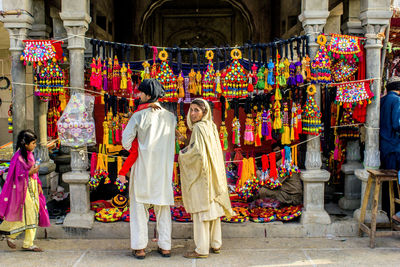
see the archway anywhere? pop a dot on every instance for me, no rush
(196, 23)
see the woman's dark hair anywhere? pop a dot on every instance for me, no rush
(201, 105)
(25, 137)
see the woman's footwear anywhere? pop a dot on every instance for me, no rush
(139, 254)
(11, 243)
(194, 255)
(396, 219)
(33, 248)
(164, 253)
(216, 250)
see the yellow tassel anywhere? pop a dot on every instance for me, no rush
(286, 136)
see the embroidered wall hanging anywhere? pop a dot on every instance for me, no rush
(342, 71)
(345, 47)
(352, 92)
(40, 51)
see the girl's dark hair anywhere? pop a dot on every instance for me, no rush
(25, 137)
(201, 105)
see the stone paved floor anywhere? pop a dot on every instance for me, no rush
(329, 251)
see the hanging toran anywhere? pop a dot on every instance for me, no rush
(353, 92)
(236, 79)
(209, 78)
(321, 64)
(167, 78)
(311, 117)
(345, 47)
(40, 52)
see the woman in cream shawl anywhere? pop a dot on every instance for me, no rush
(203, 178)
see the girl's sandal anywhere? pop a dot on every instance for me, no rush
(11, 243)
(194, 255)
(139, 254)
(33, 248)
(216, 250)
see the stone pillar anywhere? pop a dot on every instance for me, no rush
(333, 21)
(313, 18)
(75, 15)
(374, 16)
(351, 22)
(18, 26)
(352, 186)
(47, 167)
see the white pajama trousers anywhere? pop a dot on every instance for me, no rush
(139, 218)
(206, 233)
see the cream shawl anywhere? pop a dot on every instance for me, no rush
(202, 168)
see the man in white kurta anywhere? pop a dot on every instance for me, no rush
(151, 175)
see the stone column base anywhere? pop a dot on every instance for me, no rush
(313, 217)
(349, 204)
(78, 220)
(314, 212)
(80, 216)
(381, 217)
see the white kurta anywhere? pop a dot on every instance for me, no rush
(152, 172)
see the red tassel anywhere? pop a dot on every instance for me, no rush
(272, 163)
(250, 88)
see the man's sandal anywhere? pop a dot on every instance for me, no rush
(194, 255)
(216, 250)
(33, 248)
(164, 253)
(11, 243)
(139, 254)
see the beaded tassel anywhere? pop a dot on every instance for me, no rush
(124, 79)
(249, 131)
(258, 129)
(105, 82)
(116, 80)
(129, 88)
(260, 79)
(292, 71)
(223, 136)
(270, 80)
(146, 70)
(236, 131)
(286, 130)
(110, 75)
(277, 110)
(299, 77)
(181, 89)
(198, 83)
(192, 82)
(93, 65)
(281, 79)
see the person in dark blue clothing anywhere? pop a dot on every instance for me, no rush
(390, 128)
